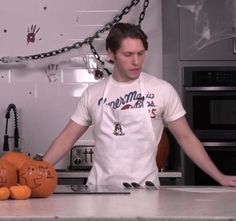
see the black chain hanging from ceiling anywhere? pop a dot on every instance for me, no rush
(143, 12)
(88, 40)
(98, 58)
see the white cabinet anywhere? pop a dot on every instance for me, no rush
(207, 30)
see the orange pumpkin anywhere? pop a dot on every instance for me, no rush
(16, 158)
(8, 174)
(163, 150)
(40, 176)
(20, 192)
(4, 193)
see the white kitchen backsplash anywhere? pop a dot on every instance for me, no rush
(43, 108)
(46, 96)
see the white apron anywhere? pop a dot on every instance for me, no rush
(126, 146)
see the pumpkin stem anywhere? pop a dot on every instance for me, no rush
(38, 157)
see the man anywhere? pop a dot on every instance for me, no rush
(128, 110)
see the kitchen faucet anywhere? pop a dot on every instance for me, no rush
(16, 131)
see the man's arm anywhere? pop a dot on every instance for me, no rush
(64, 142)
(196, 152)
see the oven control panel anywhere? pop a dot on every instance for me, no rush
(81, 157)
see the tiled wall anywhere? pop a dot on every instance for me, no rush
(44, 107)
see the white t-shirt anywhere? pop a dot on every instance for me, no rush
(161, 98)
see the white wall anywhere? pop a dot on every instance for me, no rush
(44, 107)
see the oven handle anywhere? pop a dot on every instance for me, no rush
(231, 88)
(219, 144)
(234, 45)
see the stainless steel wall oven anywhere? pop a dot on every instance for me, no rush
(209, 95)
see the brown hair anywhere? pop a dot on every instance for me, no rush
(124, 30)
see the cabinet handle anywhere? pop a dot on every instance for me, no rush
(234, 45)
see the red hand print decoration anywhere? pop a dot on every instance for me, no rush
(32, 31)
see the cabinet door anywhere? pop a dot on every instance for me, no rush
(207, 29)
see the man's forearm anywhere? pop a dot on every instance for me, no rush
(199, 156)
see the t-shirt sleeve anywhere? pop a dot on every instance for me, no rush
(81, 114)
(173, 106)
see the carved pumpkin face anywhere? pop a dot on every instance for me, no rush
(8, 174)
(40, 176)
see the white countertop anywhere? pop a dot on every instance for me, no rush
(167, 203)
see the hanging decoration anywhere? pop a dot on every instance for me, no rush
(99, 69)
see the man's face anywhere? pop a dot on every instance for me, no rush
(128, 59)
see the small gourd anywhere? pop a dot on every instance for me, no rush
(4, 193)
(39, 175)
(8, 174)
(17, 158)
(20, 192)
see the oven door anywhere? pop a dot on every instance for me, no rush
(211, 112)
(223, 154)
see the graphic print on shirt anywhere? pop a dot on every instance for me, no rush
(118, 129)
(133, 99)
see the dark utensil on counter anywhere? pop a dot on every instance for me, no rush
(132, 185)
(136, 185)
(127, 185)
(150, 185)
